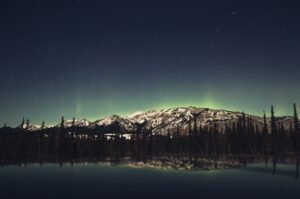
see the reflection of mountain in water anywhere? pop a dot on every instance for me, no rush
(167, 162)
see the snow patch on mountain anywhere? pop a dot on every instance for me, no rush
(31, 127)
(77, 123)
(115, 120)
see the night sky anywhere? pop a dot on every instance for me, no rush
(92, 59)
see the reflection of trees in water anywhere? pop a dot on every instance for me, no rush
(274, 168)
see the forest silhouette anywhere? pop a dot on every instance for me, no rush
(74, 144)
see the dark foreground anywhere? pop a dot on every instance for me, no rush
(100, 180)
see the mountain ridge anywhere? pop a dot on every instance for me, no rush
(163, 121)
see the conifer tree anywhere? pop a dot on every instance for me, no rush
(43, 125)
(295, 117)
(189, 139)
(273, 131)
(73, 122)
(195, 129)
(27, 124)
(62, 123)
(281, 138)
(265, 134)
(296, 130)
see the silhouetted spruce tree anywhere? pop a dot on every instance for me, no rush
(228, 140)
(201, 139)
(70, 144)
(176, 140)
(168, 142)
(73, 127)
(265, 134)
(206, 139)
(195, 137)
(27, 124)
(39, 141)
(273, 131)
(291, 137)
(210, 139)
(258, 140)
(150, 145)
(248, 136)
(215, 139)
(43, 125)
(62, 123)
(244, 134)
(59, 138)
(73, 123)
(189, 139)
(241, 124)
(281, 138)
(19, 147)
(296, 137)
(234, 139)
(251, 136)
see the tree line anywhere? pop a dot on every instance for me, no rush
(241, 137)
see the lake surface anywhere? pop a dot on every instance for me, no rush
(104, 181)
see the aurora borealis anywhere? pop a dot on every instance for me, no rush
(92, 59)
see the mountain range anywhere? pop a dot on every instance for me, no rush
(166, 120)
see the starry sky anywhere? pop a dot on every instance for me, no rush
(92, 59)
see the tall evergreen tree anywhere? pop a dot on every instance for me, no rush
(43, 125)
(258, 142)
(177, 139)
(189, 139)
(273, 131)
(195, 128)
(292, 137)
(296, 136)
(265, 134)
(295, 117)
(62, 123)
(281, 138)
(234, 138)
(241, 130)
(73, 122)
(227, 141)
(27, 124)
(59, 138)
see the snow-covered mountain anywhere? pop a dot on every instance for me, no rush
(77, 123)
(169, 120)
(165, 120)
(113, 123)
(183, 118)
